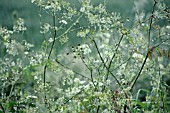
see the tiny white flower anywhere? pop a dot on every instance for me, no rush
(85, 99)
(136, 55)
(10, 32)
(70, 72)
(108, 82)
(76, 80)
(168, 27)
(19, 26)
(100, 84)
(161, 66)
(31, 96)
(86, 49)
(63, 21)
(50, 40)
(82, 82)
(13, 63)
(63, 39)
(26, 53)
(82, 9)
(35, 77)
(45, 28)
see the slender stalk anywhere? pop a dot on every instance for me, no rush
(3, 109)
(45, 67)
(147, 55)
(121, 64)
(91, 71)
(110, 63)
(150, 24)
(149, 49)
(52, 46)
(98, 108)
(71, 98)
(136, 78)
(105, 63)
(69, 29)
(72, 70)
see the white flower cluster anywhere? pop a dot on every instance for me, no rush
(52, 5)
(12, 47)
(5, 33)
(50, 40)
(83, 33)
(55, 5)
(138, 56)
(99, 16)
(28, 45)
(71, 12)
(63, 22)
(19, 26)
(36, 59)
(86, 6)
(86, 49)
(63, 39)
(101, 8)
(81, 50)
(45, 28)
(38, 2)
(78, 81)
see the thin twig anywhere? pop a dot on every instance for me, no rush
(121, 64)
(70, 98)
(108, 68)
(104, 63)
(69, 29)
(110, 63)
(149, 49)
(91, 71)
(98, 108)
(72, 70)
(3, 109)
(136, 78)
(150, 24)
(45, 67)
(54, 39)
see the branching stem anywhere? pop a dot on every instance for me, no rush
(150, 24)
(3, 109)
(105, 63)
(45, 67)
(52, 46)
(144, 62)
(149, 49)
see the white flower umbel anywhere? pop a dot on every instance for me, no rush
(19, 26)
(83, 33)
(45, 28)
(86, 49)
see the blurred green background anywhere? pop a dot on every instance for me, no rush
(11, 9)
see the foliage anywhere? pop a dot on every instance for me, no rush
(104, 73)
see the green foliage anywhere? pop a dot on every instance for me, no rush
(114, 68)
